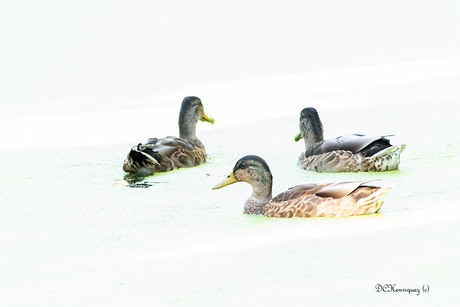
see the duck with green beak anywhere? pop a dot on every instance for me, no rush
(162, 155)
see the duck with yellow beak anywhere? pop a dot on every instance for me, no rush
(305, 200)
(162, 155)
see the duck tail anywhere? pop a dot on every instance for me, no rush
(387, 159)
(395, 149)
(138, 158)
(374, 202)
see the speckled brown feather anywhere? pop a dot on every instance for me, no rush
(170, 153)
(346, 161)
(315, 206)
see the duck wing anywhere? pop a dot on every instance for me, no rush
(166, 146)
(182, 152)
(334, 190)
(353, 143)
(162, 155)
(300, 191)
(341, 189)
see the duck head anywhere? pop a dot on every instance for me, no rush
(255, 171)
(191, 112)
(310, 126)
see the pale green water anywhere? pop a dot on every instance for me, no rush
(73, 235)
(83, 81)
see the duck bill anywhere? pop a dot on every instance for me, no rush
(207, 119)
(298, 137)
(230, 179)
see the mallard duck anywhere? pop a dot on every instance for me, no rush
(306, 200)
(162, 155)
(350, 153)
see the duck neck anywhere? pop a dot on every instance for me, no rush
(311, 141)
(261, 195)
(312, 135)
(187, 128)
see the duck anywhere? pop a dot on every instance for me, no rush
(339, 199)
(349, 153)
(165, 154)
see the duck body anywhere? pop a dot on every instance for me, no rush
(313, 200)
(307, 200)
(165, 154)
(350, 153)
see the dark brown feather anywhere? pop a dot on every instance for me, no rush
(353, 143)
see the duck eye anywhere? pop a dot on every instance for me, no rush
(242, 165)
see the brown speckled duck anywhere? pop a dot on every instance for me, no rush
(306, 200)
(162, 155)
(350, 153)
